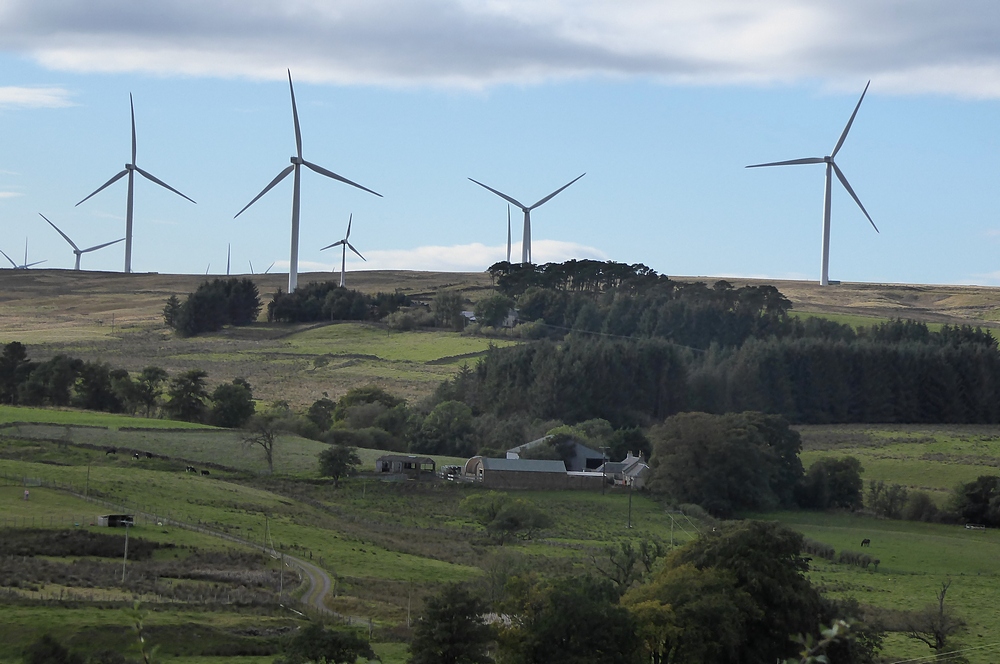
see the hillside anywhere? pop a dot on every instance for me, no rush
(116, 318)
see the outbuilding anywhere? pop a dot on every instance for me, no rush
(116, 520)
(404, 464)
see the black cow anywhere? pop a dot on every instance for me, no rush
(205, 472)
(190, 469)
(866, 542)
(135, 456)
(111, 450)
(149, 455)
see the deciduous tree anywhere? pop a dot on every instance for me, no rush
(451, 630)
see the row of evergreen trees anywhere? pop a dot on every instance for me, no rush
(808, 380)
(213, 305)
(328, 301)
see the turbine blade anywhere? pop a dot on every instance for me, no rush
(152, 178)
(550, 196)
(65, 237)
(8, 258)
(27, 265)
(500, 194)
(269, 267)
(847, 186)
(295, 116)
(331, 174)
(132, 107)
(349, 220)
(251, 266)
(351, 247)
(101, 246)
(107, 184)
(281, 176)
(791, 162)
(335, 244)
(843, 136)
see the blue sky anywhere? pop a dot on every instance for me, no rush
(661, 104)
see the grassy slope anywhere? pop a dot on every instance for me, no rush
(916, 559)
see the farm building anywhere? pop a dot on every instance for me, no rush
(116, 520)
(630, 471)
(528, 474)
(404, 464)
(578, 457)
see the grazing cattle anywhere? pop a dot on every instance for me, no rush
(149, 455)
(111, 450)
(866, 542)
(135, 456)
(205, 472)
(190, 469)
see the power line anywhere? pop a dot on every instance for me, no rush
(956, 654)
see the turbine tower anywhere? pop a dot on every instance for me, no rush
(77, 250)
(831, 168)
(297, 163)
(526, 233)
(508, 232)
(131, 169)
(345, 245)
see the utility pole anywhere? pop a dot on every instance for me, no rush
(125, 558)
(630, 504)
(86, 491)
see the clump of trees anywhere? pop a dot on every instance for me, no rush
(726, 463)
(505, 518)
(213, 305)
(68, 381)
(329, 301)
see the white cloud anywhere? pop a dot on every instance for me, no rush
(914, 46)
(459, 258)
(25, 97)
(10, 194)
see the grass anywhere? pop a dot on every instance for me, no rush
(916, 559)
(370, 341)
(933, 458)
(75, 417)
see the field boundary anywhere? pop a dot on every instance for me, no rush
(315, 582)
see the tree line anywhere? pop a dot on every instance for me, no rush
(67, 381)
(636, 382)
(213, 305)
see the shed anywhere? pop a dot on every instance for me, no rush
(404, 463)
(581, 457)
(524, 474)
(116, 520)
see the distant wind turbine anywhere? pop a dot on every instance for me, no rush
(345, 245)
(831, 168)
(229, 254)
(25, 265)
(526, 233)
(130, 170)
(77, 250)
(297, 162)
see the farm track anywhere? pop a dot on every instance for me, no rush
(316, 583)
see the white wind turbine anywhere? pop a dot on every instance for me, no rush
(508, 232)
(831, 168)
(297, 162)
(25, 265)
(130, 170)
(345, 245)
(526, 233)
(77, 250)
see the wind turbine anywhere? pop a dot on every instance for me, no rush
(77, 250)
(130, 170)
(26, 264)
(508, 232)
(345, 245)
(526, 234)
(831, 168)
(297, 163)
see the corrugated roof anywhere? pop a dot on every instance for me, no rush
(405, 457)
(525, 465)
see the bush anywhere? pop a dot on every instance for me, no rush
(213, 305)
(920, 507)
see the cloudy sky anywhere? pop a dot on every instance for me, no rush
(661, 104)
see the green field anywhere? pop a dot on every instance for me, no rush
(932, 458)
(67, 416)
(915, 559)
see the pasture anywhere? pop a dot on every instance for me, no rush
(915, 559)
(932, 458)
